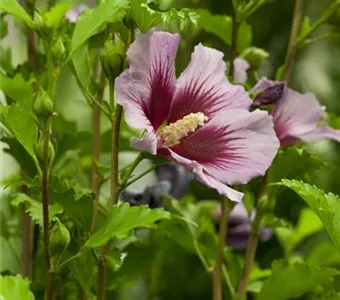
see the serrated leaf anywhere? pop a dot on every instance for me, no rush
(290, 281)
(15, 287)
(123, 219)
(34, 208)
(13, 8)
(290, 163)
(90, 21)
(326, 206)
(79, 210)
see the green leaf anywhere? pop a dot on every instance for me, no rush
(9, 260)
(147, 18)
(123, 219)
(245, 36)
(300, 163)
(82, 67)
(56, 14)
(290, 281)
(309, 223)
(13, 8)
(15, 287)
(219, 25)
(84, 270)
(305, 26)
(144, 16)
(326, 206)
(79, 210)
(34, 208)
(18, 117)
(90, 21)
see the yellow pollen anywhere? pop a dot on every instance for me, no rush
(174, 132)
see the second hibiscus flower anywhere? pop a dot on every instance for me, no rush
(200, 120)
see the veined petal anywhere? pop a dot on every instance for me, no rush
(320, 133)
(270, 92)
(234, 146)
(240, 70)
(204, 177)
(146, 143)
(149, 83)
(296, 114)
(203, 87)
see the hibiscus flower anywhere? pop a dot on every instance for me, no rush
(200, 121)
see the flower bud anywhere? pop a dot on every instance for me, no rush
(269, 95)
(255, 56)
(39, 24)
(43, 105)
(112, 57)
(59, 238)
(59, 52)
(39, 150)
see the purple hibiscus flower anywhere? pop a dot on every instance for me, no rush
(295, 115)
(73, 14)
(200, 121)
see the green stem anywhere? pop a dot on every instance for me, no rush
(250, 256)
(51, 81)
(132, 167)
(234, 42)
(95, 175)
(139, 176)
(293, 39)
(217, 277)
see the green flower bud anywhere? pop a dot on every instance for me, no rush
(334, 18)
(59, 238)
(43, 106)
(112, 57)
(255, 56)
(39, 150)
(59, 52)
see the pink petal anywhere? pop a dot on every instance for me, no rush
(240, 70)
(234, 146)
(203, 87)
(320, 133)
(206, 178)
(147, 143)
(264, 83)
(295, 114)
(147, 87)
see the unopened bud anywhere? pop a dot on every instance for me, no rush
(269, 95)
(113, 57)
(39, 25)
(59, 52)
(255, 56)
(59, 238)
(39, 150)
(43, 105)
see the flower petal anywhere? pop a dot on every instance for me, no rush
(240, 70)
(203, 87)
(146, 143)
(234, 146)
(149, 83)
(204, 177)
(320, 133)
(295, 114)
